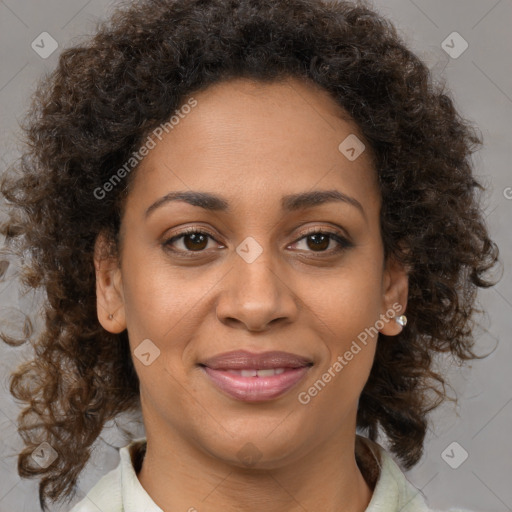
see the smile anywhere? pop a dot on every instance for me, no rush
(254, 385)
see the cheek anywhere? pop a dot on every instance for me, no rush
(345, 301)
(167, 306)
(345, 310)
(162, 300)
(157, 298)
(344, 320)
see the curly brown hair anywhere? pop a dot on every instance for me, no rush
(109, 91)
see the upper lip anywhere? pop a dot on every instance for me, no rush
(244, 360)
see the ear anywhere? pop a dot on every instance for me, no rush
(395, 289)
(109, 289)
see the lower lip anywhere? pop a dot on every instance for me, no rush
(256, 389)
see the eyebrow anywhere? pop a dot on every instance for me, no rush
(289, 203)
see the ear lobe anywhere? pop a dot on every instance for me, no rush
(109, 290)
(395, 291)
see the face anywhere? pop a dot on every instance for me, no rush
(262, 266)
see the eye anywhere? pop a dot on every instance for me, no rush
(192, 239)
(319, 240)
(316, 240)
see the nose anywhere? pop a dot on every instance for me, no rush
(256, 294)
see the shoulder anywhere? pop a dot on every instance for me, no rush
(120, 490)
(453, 510)
(392, 491)
(105, 495)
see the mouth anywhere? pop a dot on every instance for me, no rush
(253, 377)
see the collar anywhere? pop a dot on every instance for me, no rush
(134, 496)
(391, 489)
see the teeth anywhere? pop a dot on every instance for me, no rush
(267, 373)
(260, 373)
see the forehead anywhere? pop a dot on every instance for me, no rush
(255, 142)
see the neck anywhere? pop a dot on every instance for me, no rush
(180, 476)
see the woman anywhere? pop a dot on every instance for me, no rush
(257, 222)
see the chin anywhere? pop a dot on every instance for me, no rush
(256, 449)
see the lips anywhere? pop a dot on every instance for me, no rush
(243, 360)
(252, 377)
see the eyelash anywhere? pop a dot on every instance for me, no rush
(343, 243)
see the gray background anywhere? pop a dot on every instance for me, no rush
(480, 80)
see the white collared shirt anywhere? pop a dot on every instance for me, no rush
(120, 489)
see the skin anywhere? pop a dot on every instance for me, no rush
(251, 143)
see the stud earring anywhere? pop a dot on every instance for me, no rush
(401, 320)
(111, 316)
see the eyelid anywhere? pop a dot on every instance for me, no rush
(319, 229)
(189, 230)
(342, 239)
